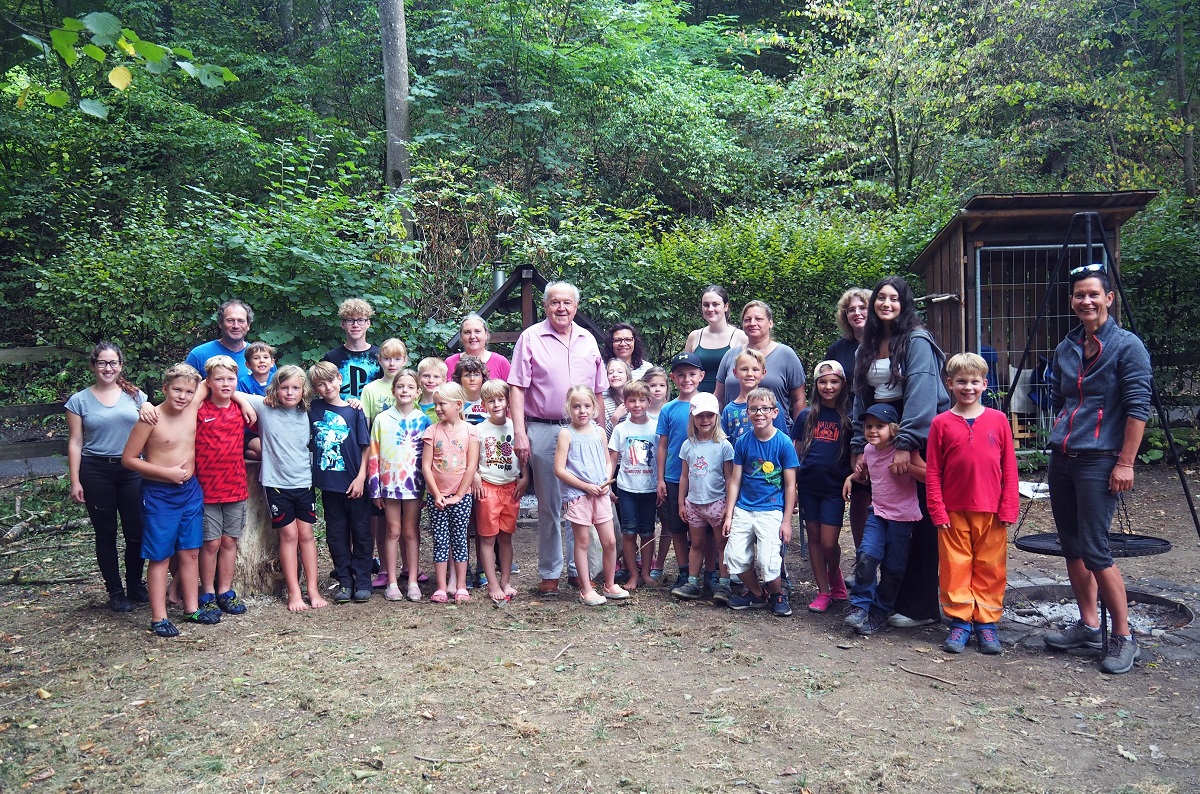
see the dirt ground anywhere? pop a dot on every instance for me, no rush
(548, 696)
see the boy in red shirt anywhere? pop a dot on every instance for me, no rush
(971, 482)
(221, 470)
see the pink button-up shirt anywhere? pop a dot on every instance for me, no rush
(546, 367)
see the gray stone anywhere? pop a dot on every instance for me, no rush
(1012, 637)
(1189, 633)
(1170, 653)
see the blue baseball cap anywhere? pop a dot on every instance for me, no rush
(687, 360)
(881, 411)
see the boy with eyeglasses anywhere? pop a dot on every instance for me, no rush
(356, 359)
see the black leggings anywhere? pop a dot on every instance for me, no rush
(110, 490)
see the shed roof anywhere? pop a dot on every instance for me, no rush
(1032, 213)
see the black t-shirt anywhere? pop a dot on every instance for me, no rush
(339, 435)
(358, 368)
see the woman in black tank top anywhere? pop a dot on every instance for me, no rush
(712, 342)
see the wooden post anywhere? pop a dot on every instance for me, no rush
(258, 571)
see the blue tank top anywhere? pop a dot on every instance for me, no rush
(586, 459)
(711, 357)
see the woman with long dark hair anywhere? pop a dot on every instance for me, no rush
(624, 342)
(899, 363)
(99, 419)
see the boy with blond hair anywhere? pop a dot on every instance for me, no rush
(432, 372)
(164, 453)
(357, 360)
(377, 396)
(971, 482)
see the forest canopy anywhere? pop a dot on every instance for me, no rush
(641, 147)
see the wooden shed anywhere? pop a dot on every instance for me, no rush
(987, 271)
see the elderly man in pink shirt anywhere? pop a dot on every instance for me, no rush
(548, 359)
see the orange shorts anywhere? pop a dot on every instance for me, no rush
(496, 510)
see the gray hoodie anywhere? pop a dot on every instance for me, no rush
(925, 395)
(1092, 400)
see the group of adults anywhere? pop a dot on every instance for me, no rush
(1099, 371)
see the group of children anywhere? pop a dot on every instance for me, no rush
(721, 483)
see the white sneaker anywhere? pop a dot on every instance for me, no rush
(899, 621)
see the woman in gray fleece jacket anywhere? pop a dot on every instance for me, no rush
(1100, 393)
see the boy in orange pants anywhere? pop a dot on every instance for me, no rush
(971, 482)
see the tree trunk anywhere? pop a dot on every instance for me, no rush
(1183, 96)
(287, 24)
(395, 91)
(258, 571)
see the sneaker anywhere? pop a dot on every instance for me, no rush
(206, 618)
(722, 592)
(117, 602)
(656, 576)
(361, 595)
(898, 621)
(837, 586)
(855, 617)
(748, 600)
(621, 577)
(393, 593)
(957, 641)
(514, 568)
(714, 578)
(821, 603)
(164, 628)
(989, 641)
(1122, 653)
(208, 603)
(1076, 635)
(375, 566)
(876, 623)
(680, 581)
(380, 580)
(780, 606)
(688, 591)
(617, 593)
(342, 596)
(137, 593)
(481, 581)
(229, 603)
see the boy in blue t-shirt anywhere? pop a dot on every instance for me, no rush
(759, 501)
(686, 372)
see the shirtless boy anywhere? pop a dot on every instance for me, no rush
(165, 455)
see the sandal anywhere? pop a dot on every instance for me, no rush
(414, 593)
(439, 597)
(164, 628)
(462, 596)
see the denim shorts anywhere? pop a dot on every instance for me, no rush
(827, 510)
(637, 512)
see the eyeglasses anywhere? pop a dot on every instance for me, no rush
(1098, 267)
(356, 321)
(760, 410)
(622, 340)
(108, 365)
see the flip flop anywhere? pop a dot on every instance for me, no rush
(510, 592)
(499, 603)
(439, 597)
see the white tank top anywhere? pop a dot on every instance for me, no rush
(878, 376)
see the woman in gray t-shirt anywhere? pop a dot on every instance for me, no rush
(99, 419)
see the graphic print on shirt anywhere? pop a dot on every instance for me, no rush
(449, 455)
(769, 472)
(498, 452)
(699, 468)
(827, 431)
(358, 369)
(332, 430)
(639, 456)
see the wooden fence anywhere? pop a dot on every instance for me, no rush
(21, 450)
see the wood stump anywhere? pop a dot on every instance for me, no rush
(258, 571)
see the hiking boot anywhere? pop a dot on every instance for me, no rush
(117, 602)
(342, 596)
(821, 603)
(748, 600)
(876, 623)
(855, 617)
(1075, 635)
(957, 641)
(1122, 653)
(722, 592)
(689, 591)
(780, 606)
(230, 603)
(989, 641)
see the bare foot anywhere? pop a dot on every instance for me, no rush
(173, 597)
(317, 601)
(510, 591)
(297, 604)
